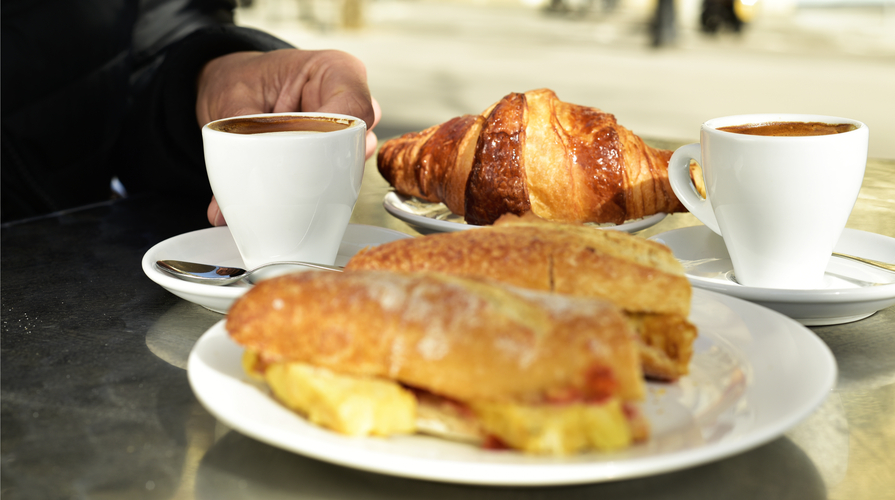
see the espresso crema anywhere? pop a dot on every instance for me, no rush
(270, 124)
(790, 129)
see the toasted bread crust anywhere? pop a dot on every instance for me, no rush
(640, 276)
(464, 339)
(636, 274)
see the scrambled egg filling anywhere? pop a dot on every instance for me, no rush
(350, 405)
(363, 406)
(558, 429)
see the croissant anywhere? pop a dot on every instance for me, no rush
(532, 152)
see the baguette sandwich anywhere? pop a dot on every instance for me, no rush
(385, 353)
(641, 277)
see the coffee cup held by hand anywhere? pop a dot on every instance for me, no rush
(286, 182)
(779, 190)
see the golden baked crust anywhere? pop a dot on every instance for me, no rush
(497, 181)
(636, 274)
(532, 152)
(461, 338)
(640, 276)
(583, 166)
(440, 157)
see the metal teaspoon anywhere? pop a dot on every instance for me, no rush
(876, 263)
(208, 274)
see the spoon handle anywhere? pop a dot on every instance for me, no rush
(876, 263)
(323, 267)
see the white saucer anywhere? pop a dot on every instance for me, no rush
(848, 294)
(215, 246)
(754, 375)
(429, 217)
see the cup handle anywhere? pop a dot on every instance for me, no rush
(682, 185)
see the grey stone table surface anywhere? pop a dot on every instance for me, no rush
(95, 402)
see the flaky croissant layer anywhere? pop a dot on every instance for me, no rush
(532, 152)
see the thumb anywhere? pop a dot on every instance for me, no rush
(215, 217)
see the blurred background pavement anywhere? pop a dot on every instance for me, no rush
(431, 60)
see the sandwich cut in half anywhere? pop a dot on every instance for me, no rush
(385, 353)
(641, 277)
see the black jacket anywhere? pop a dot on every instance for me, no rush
(93, 89)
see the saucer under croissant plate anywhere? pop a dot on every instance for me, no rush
(851, 290)
(215, 245)
(428, 217)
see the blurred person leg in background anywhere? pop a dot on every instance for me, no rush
(720, 15)
(664, 24)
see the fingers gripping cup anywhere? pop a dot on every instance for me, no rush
(286, 183)
(779, 190)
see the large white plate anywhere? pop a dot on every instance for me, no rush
(852, 291)
(214, 245)
(435, 217)
(755, 374)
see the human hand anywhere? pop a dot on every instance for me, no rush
(243, 83)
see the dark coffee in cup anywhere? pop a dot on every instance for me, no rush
(790, 129)
(268, 124)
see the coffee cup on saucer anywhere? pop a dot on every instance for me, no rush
(779, 189)
(286, 183)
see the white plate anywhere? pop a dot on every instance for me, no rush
(436, 217)
(848, 294)
(755, 374)
(215, 246)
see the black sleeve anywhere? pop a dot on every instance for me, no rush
(161, 146)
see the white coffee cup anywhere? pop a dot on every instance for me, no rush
(779, 202)
(286, 194)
